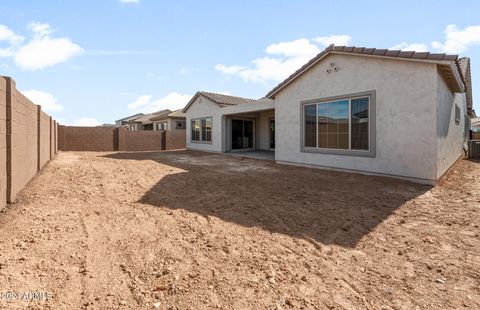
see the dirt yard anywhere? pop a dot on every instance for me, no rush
(185, 230)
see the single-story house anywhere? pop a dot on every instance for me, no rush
(374, 111)
(170, 121)
(123, 121)
(145, 122)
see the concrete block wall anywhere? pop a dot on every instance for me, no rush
(175, 139)
(22, 128)
(106, 139)
(55, 140)
(77, 138)
(62, 138)
(44, 142)
(25, 138)
(142, 140)
(52, 137)
(3, 142)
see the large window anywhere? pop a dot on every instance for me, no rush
(202, 130)
(342, 124)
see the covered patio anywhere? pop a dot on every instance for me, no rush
(250, 128)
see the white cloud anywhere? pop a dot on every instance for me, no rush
(40, 30)
(340, 39)
(296, 48)
(6, 34)
(172, 101)
(86, 121)
(7, 52)
(46, 100)
(44, 51)
(140, 102)
(458, 40)
(152, 75)
(41, 50)
(229, 69)
(186, 71)
(282, 59)
(417, 47)
(129, 1)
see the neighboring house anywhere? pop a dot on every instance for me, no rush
(476, 124)
(375, 111)
(171, 121)
(145, 122)
(123, 122)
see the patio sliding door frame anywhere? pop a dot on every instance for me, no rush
(270, 119)
(229, 133)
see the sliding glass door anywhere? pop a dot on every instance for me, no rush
(242, 134)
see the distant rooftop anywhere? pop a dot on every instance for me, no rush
(148, 117)
(130, 117)
(224, 100)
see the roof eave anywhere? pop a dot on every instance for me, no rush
(184, 110)
(458, 78)
(452, 64)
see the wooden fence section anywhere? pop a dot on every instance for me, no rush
(26, 140)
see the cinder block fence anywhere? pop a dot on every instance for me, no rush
(28, 140)
(105, 139)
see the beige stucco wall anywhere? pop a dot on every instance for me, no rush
(405, 114)
(450, 135)
(263, 129)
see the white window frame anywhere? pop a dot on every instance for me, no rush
(349, 152)
(458, 114)
(201, 134)
(161, 126)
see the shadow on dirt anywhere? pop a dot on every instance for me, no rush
(326, 206)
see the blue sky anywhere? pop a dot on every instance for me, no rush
(90, 62)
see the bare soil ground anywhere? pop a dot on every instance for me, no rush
(186, 230)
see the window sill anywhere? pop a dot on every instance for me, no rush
(338, 152)
(201, 142)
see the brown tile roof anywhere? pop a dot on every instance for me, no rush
(465, 70)
(176, 113)
(368, 51)
(224, 100)
(146, 119)
(130, 117)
